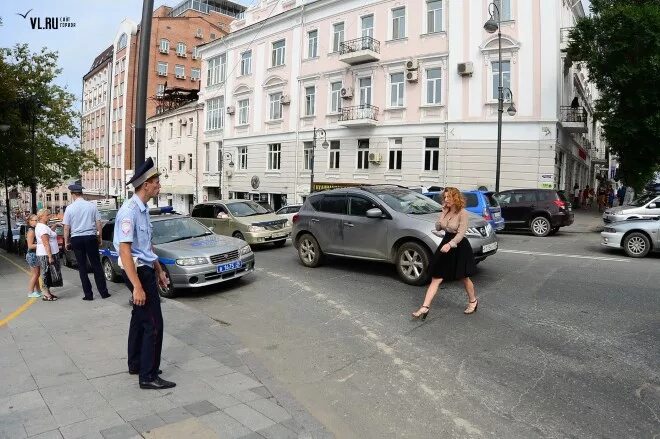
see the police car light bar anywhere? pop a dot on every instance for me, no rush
(161, 210)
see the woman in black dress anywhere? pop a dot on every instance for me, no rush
(453, 259)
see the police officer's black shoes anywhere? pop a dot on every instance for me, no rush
(137, 371)
(158, 383)
(105, 296)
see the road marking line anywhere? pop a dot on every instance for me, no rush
(21, 308)
(562, 255)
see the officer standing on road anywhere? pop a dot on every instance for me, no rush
(142, 274)
(82, 233)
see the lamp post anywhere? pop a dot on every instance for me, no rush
(491, 26)
(9, 238)
(225, 156)
(321, 132)
(151, 143)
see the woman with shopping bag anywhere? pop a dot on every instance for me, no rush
(47, 254)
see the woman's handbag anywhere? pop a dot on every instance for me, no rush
(54, 275)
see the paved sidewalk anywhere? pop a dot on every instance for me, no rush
(64, 373)
(587, 220)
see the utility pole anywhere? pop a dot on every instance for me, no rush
(143, 74)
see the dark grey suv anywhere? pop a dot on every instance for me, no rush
(383, 223)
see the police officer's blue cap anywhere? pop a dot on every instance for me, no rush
(143, 173)
(76, 188)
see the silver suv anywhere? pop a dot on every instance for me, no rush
(383, 223)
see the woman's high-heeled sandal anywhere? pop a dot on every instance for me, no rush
(422, 315)
(471, 310)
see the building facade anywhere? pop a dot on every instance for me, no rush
(406, 93)
(174, 142)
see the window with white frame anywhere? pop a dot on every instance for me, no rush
(190, 162)
(275, 100)
(431, 153)
(191, 126)
(216, 70)
(307, 155)
(277, 57)
(505, 9)
(195, 53)
(312, 43)
(218, 156)
(397, 87)
(123, 40)
(164, 46)
(160, 89)
(169, 159)
(215, 114)
(274, 156)
(367, 24)
(365, 91)
(398, 23)
(337, 36)
(179, 71)
(242, 157)
(243, 111)
(506, 77)
(171, 130)
(335, 97)
(434, 86)
(162, 68)
(363, 154)
(207, 157)
(433, 16)
(246, 63)
(195, 73)
(310, 100)
(181, 49)
(395, 154)
(334, 154)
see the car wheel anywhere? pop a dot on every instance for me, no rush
(238, 235)
(309, 251)
(412, 262)
(108, 271)
(170, 290)
(280, 243)
(540, 226)
(636, 245)
(553, 231)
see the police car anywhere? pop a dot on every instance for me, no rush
(190, 253)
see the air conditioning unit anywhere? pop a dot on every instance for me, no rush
(412, 76)
(375, 157)
(465, 68)
(412, 64)
(181, 157)
(231, 109)
(346, 92)
(285, 100)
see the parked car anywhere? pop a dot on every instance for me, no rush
(486, 206)
(266, 205)
(243, 219)
(541, 211)
(108, 214)
(637, 237)
(435, 196)
(645, 206)
(288, 211)
(191, 254)
(383, 223)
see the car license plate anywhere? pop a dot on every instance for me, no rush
(230, 266)
(489, 247)
(279, 235)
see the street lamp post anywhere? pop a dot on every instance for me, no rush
(491, 26)
(225, 156)
(151, 143)
(9, 238)
(321, 132)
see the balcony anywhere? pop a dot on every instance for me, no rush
(564, 39)
(360, 50)
(359, 115)
(573, 119)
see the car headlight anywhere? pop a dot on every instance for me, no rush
(246, 250)
(186, 262)
(256, 229)
(472, 231)
(609, 230)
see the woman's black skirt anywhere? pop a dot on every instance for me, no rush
(457, 263)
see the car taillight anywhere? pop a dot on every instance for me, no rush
(295, 218)
(486, 214)
(560, 204)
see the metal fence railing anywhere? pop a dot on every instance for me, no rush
(359, 112)
(363, 43)
(573, 114)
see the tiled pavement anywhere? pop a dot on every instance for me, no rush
(64, 374)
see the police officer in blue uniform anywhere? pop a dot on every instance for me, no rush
(142, 274)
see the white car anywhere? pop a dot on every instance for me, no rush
(288, 211)
(637, 237)
(646, 206)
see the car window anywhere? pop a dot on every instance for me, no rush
(315, 202)
(108, 215)
(108, 231)
(404, 200)
(177, 229)
(471, 199)
(358, 206)
(334, 204)
(203, 211)
(505, 198)
(246, 208)
(526, 197)
(562, 196)
(491, 199)
(642, 201)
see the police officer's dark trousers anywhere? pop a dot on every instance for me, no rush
(87, 247)
(145, 333)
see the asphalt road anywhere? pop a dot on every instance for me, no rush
(565, 343)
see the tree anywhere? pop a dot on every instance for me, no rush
(29, 96)
(620, 44)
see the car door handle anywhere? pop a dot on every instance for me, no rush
(314, 220)
(349, 224)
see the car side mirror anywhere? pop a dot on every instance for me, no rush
(212, 228)
(374, 213)
(652, 206)
(222, 215)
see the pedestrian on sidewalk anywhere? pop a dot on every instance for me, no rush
(82, 233)
(576, 196)
(585, 196)
(610, 196)
(142, 275)
(47, 253)
(453, 260)
(621, 195)
(34, 289)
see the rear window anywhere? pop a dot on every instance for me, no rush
(492, 201)
(315, 202)
(547, 196)
(471, 199)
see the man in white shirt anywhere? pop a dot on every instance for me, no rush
(82, 233)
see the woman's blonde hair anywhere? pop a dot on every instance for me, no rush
(31, 217)
(457, 198)
(42, 212)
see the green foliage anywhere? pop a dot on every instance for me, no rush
(620, 44)
(29, 96)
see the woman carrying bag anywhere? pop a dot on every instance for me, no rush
(47, 254)
(34, 290)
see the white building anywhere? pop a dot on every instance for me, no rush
(407, 93)
(175, 142)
